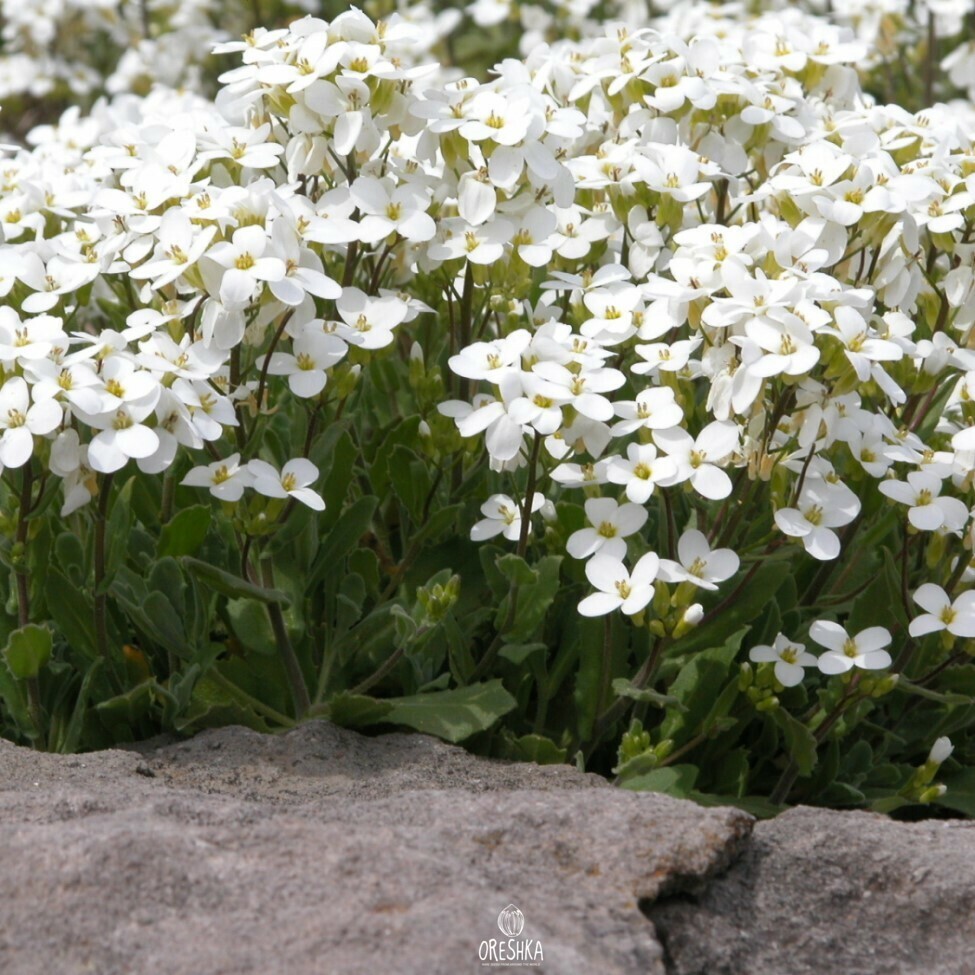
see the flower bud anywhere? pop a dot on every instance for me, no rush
(690, 618)
(934, 792)
(941, 750)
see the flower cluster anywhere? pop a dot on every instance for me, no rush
(705, 299)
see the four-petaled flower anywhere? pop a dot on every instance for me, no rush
(844, 652)
(790, 659)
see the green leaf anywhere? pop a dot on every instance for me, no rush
(403, 433)
(123, 714)
(251, 626)
(118, 528)
(516, 570)
(534, 599)
(518, 653)
(672, 780)
(214, 704)
(961, 791)
(186, 532)
(453, 715)
(72, 734)
(490, 556)
(164, 624)
(342, 539)
(231, 585)
(69, 554)
(626, 688)
(28, 650)
(799, 740)
(439, 522)
(353, 710)
(337, 463)
(699, 686)
(881, 600)
(72, 613)
(167, 577)
(14, 697)
(409, 478)
(537, 749)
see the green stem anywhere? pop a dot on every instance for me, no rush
(262, 379)
(621, 705)
(487, 661)
(607, 663)
(168, 495)
(101, 598)
(292, 668)
(386, 666)
(788, 778)
(240, 431)
(23, 579)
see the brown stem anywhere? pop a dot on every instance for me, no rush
(262, 380)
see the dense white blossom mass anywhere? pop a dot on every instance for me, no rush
(751, 270)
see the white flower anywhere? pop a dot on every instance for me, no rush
(697, 459)
(698, 563)
(180, 246)
(389, 209)
(789, 658)
(618, 588)
(491, 360)
(928, 511)
(313, 354)
(226, 479)
(246, 267)
(611, 524)
(653, 409)
(69, 460)
(865, 650)
(21, 421)
(292, 481)
(956, 616)
(368, 322)
(502, 516)
(817, 513)
(641, 471)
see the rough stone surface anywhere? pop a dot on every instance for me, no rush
(829, 893)
(327, 853)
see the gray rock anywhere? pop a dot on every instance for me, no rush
(819, 892)
(327, 853)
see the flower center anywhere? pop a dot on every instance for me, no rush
(814, 515)
(607, 529)
(697, 567)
